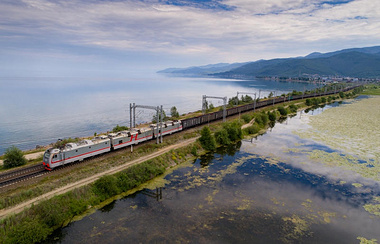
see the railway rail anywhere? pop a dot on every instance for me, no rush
(20, 175)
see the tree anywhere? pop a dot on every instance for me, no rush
(272, 116)
(207, 140)
(234, 131)
(282, 111)
(13, 157)
(174, 113)
(293, 108)
(308, 102)
(222, 137)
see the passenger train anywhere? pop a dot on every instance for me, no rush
(72, 152)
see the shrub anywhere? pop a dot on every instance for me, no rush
(253, 129)
(258, 119)
(246, 117)
(13, 157)
(106, 187)
(282, 111)
(207, 140)
(308, 102)
(29, 230)
(293, 108)
(234, 131)
(272, 116)
(194, 150)
(264, 118)
(323, 100)
(222, 137)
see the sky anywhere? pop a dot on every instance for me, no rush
(51, 38)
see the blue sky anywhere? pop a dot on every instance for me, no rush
(118, 38)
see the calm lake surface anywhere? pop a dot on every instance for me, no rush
(38, 111)
(258, 191)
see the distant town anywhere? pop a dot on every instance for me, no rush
(322, 79)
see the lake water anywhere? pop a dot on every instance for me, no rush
(258, 191)
(38, 111)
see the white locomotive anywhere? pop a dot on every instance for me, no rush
(72, 152)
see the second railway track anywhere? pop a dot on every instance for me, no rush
(16, 176)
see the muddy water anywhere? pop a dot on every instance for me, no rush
(265, 190)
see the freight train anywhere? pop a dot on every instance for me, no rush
(72, 152)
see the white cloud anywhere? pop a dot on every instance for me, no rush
(254, 29)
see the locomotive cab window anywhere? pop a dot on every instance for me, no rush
(121, 141)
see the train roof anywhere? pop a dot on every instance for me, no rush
(123, 133)
(142, 130)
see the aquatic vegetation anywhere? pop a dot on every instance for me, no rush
(366, 241)
(357, 185)
(364, 168)
(299, 228)
(353, 128)
(367, 168)
(373, 208)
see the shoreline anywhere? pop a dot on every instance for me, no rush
(86, 181)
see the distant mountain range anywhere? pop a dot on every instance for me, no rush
(354, 62)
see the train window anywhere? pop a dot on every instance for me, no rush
(76, 150)
(121, 141)
(106, 143)
(89, 147)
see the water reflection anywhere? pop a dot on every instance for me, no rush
(81, 106)
(247, 201)
(258, 191)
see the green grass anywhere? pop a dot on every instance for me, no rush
(38, 222)
(372, 91)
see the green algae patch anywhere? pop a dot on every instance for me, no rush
(367, 168)
(357, 185)
(353, 128)
(366, 241)
(373, 208)
(296, 227)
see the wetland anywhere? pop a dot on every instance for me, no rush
(314, 178)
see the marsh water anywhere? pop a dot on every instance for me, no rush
(262, 190)
(40, 110)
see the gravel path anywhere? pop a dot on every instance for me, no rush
(20, 207)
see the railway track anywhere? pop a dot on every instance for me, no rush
(11, 178)
(15, 176)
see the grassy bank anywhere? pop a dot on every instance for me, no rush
(373, 90)
(39, 186)
(38, 222)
